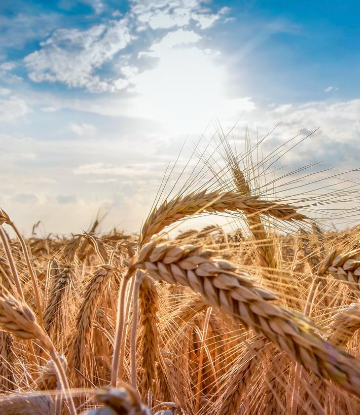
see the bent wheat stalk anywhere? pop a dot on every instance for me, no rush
(237, 294)
(17, 319)
(11, 261)
(8, 221)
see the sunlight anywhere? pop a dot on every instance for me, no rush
(185, 90)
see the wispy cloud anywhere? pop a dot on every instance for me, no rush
(331, 88)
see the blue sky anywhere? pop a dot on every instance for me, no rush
(97, 97)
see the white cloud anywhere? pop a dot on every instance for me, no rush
(172, 39)
(8, 66)
(206, 20)
(129, 71)
(168, 19)
(12, 107)
(72, 56)
(83, 129)
(76, 57)
(164, 14)
(331, 88)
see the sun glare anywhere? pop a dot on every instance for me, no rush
(185, 90)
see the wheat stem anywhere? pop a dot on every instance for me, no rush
(139, 277)
(119, 332)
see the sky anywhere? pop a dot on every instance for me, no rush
(97, 97)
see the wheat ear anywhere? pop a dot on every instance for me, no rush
(237, 294)
(86, 317)
(148, 333)
(6, 362)
(48, 378)
(210, 202)
(5, 272)
(55, 311)
(344, 267)
(17, 319)
(265, 245)
(344, 324)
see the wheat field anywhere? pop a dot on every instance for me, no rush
(258, 317)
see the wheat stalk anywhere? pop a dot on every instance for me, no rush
(236, 294)
(56, 308)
